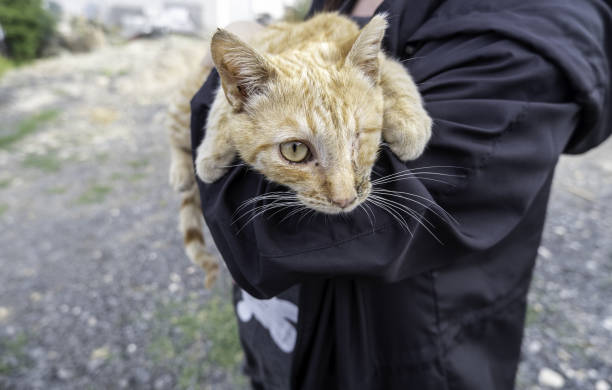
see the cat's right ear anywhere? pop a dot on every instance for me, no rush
(243, 71)
(365, 51)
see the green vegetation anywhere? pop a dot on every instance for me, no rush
(27, 26)
(48, 163)
(5, 65)
(116, 73)
(28, 126)
(137, 177)
(57, 190)
(191, 340)
(5, 183)
(94, 194)
(532, 316)
(13, 358)
(137, 164)
(3, 208)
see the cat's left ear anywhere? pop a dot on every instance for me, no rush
(365, 50)
(243, 71)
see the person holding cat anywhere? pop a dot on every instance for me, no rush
(433, 297)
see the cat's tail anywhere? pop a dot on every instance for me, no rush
(182, 176)
(190, 225)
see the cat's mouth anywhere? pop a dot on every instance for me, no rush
(328, 206)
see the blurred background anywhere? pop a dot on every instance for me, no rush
(95, 290)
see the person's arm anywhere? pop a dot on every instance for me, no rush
(502, 116)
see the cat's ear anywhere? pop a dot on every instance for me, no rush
(365, 50)
(243, 71)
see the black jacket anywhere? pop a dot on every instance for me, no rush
(511, 85)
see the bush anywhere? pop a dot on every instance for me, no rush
(27, 27)
(5, 65)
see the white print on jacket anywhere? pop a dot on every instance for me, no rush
(273, 314)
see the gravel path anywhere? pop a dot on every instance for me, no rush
(96, 292)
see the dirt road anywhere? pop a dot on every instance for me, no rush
(95, 292)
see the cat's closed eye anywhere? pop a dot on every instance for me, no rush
(295, 151)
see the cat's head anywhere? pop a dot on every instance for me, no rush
(311, 119)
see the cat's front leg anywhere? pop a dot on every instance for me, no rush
(406, 124)
(216, 152)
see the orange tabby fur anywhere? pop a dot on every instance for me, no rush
(323, 83)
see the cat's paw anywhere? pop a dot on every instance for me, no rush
(181, 175)
(407, 137)
(209, 169)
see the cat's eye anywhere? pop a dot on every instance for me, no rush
(295, 151)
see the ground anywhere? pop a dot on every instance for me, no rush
(96, 293)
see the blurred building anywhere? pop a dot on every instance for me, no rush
(185, 16)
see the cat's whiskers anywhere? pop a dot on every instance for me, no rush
(306, 212)
(391, 212)
(293, 212)
(412, 59)
(433, 206)
(412, 176)
(420, 219)
(406, 208)
(235, 165)
(264, 209)
(383, 198)
(377, 171)
(415, 173)
(361, 206)
(267, 196)
(365, 204)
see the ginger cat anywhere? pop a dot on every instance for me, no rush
(307, 105)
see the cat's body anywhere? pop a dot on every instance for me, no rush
(307, 105)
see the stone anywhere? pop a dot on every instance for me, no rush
(602, 385)
(4, 313)
(64, 374)
(544, 252)
(550, 378)
(131, 348)
(534, 346)
(101, 353)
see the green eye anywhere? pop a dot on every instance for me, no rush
(295, 151)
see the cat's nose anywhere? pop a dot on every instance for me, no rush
(344, 202)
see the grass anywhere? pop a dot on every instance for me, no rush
(57, 190)
(5, 183)
(49, 162)
(137, 177)
(532, 316)
(102, 157)
(94, 194)
(5, 65)
(28, 126)
(138, 164)
(116, 73)
(190, 341)
(13, 358)
(3, 208)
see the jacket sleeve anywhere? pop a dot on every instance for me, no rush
(502, 116)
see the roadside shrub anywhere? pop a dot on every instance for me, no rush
(5, 65)
(27, 27)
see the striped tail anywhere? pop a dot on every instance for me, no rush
(182, 177)
(191, 227)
